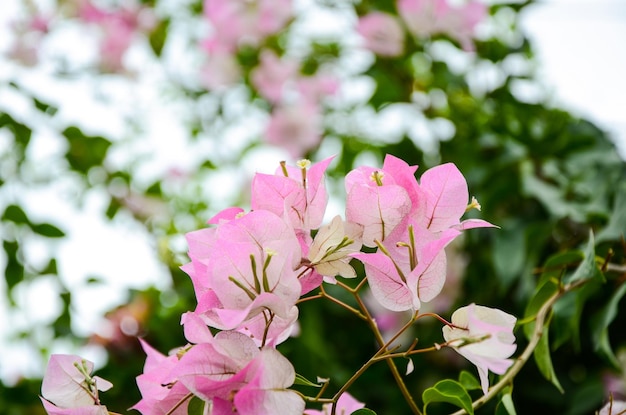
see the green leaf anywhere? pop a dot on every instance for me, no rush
(587, 269)
(469, 381)
(158, 36)
(544, 360)
(600, 326)
(363, 411)
(449, 391)
(85, 151)
(14, 271)
(542, 294)
(614, 230)
(301, 380)
(196, 406)
(48, 230)
(506, 406)
(15, 214)
(44, 107)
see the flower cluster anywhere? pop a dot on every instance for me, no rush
(250, 270)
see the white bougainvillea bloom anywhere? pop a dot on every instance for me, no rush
(69, 388)
(484, 336)
(613, 408)
(331, 247)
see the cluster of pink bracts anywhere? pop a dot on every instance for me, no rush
(250, 270)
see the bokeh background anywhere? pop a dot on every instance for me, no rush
(111, 152)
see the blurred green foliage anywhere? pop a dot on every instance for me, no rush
(546, 177)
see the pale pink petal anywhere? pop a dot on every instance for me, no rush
(83, 410)
(386, 284)
(446, 195)
(382, 33)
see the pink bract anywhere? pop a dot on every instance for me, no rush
(346, 404)
(159, 389)
(382, 34)
(299, 197)
(237, 22)
(296, 127)
(272, 74)
(232, 372)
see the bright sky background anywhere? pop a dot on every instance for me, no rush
(581, 59)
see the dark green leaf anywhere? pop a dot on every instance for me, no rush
(45, 107)
(600, 326)
(15, 214)
(14, 270)
(614, 230)
(84, 151)
(363, 411)
(196, 406)
(587, 268)
(448, 391)
(48, 230)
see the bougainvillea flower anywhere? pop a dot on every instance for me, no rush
(346, 404)
(298, 194)
(236, 22)
(446, 199)
(484, 336)
(330, 251)
(159, 389)
(382, 34)
(403, 278)
(296, 127)
(613, 408)
(376, 201)
(429, 17)
(272, 75)
(244, 272)
(231, 369)
(69, 388)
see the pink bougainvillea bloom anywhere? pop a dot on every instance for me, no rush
(313, 89)
(446, 199)
(68, 387)
(382, 33)
(296, 127)
(346, 404)
(460, 22)
(246, 270)
(237, 22)
(484, 336)
(375, 201)
(422, 17)
(297, 194)
(401, 279)
(237, 377)
(221, 71)
(272, 74)
(159, 389)
(429, 17)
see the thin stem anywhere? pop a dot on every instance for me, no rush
(342, 304)
(392, 366)
(528, 351)
(312, 297)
